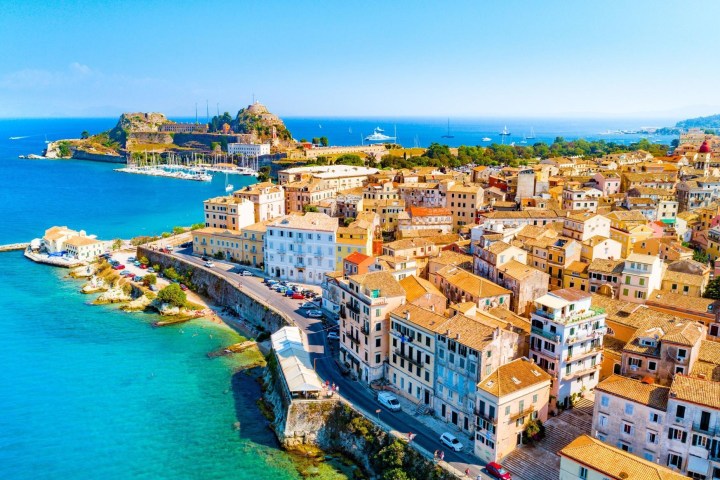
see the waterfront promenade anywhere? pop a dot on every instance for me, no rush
(361, 397)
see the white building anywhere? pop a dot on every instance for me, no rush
(641, 275)
(249, 149)
(229, 212)
(76, 243)
(301, 248)
(566, 340)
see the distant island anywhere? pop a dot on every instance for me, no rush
(709, 124)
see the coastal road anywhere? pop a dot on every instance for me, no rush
(323, 357)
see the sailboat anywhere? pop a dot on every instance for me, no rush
(505, 132)
(228, 186)
(46, 140)
(350, 130)
(448, 132)
(532, 134)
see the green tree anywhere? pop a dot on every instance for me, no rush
(117, 244)
(349, 159)
(149, 279)
(713, 289)
(324, 141)
(395, 474)
(310, 208)
(534, 432)
(701, 256)
(263, 175)
(144, 260)
(171, 273)
(85, 135)
(173, 295)
(178, 230)
(64, 149)
(391, 456)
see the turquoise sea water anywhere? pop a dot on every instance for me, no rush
(90, 392)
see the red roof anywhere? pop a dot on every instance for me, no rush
(356, 257)
(428, 211)
(704, 148)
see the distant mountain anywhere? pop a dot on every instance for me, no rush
(712, 121)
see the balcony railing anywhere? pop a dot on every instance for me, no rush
(581, 355)
(524, 413)
(711, 431)
(353, 339)
(580, 373)
(353, 307)
(580, 337)
(485, 417)
(365, 330)
(541, 351)
(543, 313)
(553, 337)
(408, 357)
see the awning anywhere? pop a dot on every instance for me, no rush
(698, 465)
(669, 221)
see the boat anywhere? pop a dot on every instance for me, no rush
(505, 132)
(246, 171)
(228, 186)
(448, 132)
(487, 139)
(46, 140)
(532, 134)
(350, 130)
(378, 136)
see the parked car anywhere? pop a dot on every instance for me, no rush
(451, 441)
(169, 248)
(314, 314)
(131, 259)
(151, 270)
(137, 278)
(289, 292)
(143, 266)
(183, 287)
(497, 471)
(297, 296)
(209, 264)
(387, 400)
(136, 263)
(246, 273)
(186, 244)
(333, 336)
(308, 306)
(204, 258)
(119, 267)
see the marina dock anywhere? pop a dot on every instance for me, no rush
(14, 246)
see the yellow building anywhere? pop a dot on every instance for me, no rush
(210, 241)
(464, 202)
(356, 237)
(576, 276)
(253, 239)
(628, 228)
(388, 210)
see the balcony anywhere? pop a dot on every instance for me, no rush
(710, 431)
(543, 313)
(580, 373)
(353, 339)
(581, 355)
(553, 337)
(524, 413)
(365, 330)
(353, 307)
(484, 417)
(546, 353)
(407, 357)
(580, 337)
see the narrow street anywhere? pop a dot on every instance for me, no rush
(358, 395)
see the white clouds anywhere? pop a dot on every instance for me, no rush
(80, 68)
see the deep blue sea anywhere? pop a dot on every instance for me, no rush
(91, 392)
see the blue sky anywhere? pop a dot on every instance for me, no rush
(310, 58)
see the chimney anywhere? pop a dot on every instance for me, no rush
(407, 315)
(457, 336)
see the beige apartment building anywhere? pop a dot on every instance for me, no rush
(507, 400)
(464, 202)
(229, 213)
(267, 198)
(366, 303)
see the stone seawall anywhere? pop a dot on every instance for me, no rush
(97, 157)
(221, 291)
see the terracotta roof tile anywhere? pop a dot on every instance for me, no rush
(652, 395)
(513, 377)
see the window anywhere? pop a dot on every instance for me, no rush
(602, 420)
(680, 412)
(605, 401)
(652, 366)
(627, 428)
(583, 473)
(654, 417)
(651, 437)
(629, 408)
(674, 460)
(649, 456)
(677, 434)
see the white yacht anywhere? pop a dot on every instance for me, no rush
(378, 136)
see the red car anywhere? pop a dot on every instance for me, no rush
(119, 267)
(143, 266)
(298, 296)
(183, 287)
(497, 471)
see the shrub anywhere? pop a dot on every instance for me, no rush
(219, 255)
(149, 279)
(144, 260)
(171, 273)
(173, 295)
